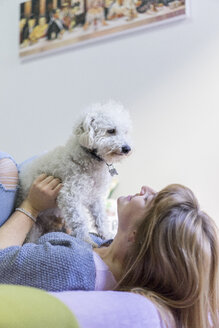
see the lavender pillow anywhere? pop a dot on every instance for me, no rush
(109, 309)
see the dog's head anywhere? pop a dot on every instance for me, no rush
(105, 130)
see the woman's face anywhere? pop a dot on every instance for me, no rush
(132, 208)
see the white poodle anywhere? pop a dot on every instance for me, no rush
(84, 165)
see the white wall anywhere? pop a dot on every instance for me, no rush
(167, 76)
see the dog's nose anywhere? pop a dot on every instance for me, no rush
(126, 149)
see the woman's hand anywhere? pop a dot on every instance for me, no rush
(42, 194)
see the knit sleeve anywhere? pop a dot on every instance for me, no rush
(57, 262)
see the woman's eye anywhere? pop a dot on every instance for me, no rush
(111, 131)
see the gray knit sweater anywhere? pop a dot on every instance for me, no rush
(57, 262)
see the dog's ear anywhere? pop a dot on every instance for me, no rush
(85, 132)
(79, 129)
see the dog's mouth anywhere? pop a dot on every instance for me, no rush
(122, 152)
(119, 154)
(115, 153)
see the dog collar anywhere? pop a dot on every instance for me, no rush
(92, 152)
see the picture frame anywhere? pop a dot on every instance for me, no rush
(48, 26)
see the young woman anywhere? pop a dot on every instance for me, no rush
(166, 248)
(174, 260)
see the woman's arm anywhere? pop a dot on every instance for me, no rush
(42, 195)
(57, 261)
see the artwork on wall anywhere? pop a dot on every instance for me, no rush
(51, 25)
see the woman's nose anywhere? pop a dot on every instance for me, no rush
(143, 190)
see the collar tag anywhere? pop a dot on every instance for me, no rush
(112, 170)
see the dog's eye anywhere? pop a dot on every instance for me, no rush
(111, 131)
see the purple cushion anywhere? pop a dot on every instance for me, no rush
(109, 309)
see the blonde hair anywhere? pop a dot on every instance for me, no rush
(174, 261)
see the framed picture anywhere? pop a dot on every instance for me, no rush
(50, 25)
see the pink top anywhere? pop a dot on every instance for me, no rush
(104, 277)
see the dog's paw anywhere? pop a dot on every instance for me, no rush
(89, 240)
(84, 237)
(106, 234)
(93, 244)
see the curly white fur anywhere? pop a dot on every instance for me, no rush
(103, 130)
